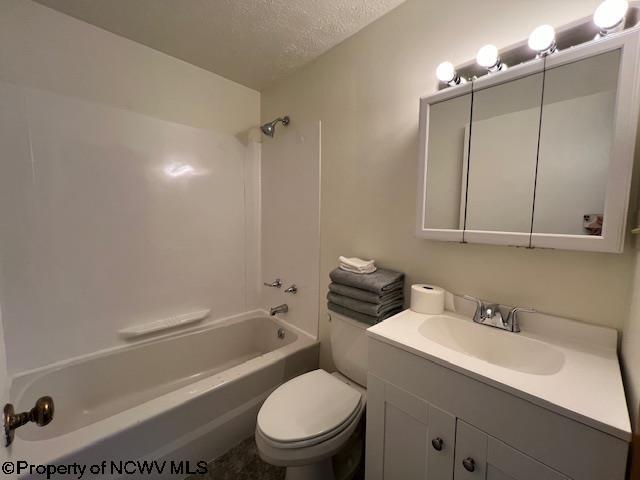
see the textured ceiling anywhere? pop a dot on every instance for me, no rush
(254, 42)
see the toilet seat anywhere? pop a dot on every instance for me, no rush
(308, 410)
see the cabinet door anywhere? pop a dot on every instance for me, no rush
(502, 161)
(480, 456)
(587, 138)
(407, 438)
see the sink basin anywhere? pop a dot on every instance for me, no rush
(505, 349)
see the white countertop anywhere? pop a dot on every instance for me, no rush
(587, 388)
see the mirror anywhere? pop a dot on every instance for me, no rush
(446, 173)
(539, 155)
(502, 156)
(575, 146)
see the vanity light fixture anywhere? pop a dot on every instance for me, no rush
(489, 58)
(446, 73)
(543, 40)
(609, 16)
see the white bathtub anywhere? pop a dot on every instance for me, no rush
(188, 396)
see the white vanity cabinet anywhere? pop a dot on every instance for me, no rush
(421, 441)
(428, 422)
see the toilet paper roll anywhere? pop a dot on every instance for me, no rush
(427, 299)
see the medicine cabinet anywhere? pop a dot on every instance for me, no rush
(538, 155)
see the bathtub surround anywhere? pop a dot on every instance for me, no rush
(94, 206)
(104, 222)
(290, 224)
(369, 87)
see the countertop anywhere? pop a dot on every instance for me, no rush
(588, 388)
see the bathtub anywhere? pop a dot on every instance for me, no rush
(186, 396)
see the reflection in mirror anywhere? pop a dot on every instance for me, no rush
(502, 156)
(575, 144)
(444, 199)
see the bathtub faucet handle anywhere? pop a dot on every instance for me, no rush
(41, 415)
(277, 283)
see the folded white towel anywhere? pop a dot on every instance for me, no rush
(357, 265)
(355, 270)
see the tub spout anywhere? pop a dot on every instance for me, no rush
(284, 308)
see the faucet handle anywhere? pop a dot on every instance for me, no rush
(277, 283)
(515, 310)
(473, 299)
(512, 317)
(479, 307)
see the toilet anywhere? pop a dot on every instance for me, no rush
(309, 419)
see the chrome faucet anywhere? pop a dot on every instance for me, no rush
(490, 314)
(284, 308)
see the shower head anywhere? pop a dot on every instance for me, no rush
(270, 128)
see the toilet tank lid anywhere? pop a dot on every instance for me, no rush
(307, 406)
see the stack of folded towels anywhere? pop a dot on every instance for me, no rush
(362, 291)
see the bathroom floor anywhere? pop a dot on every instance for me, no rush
(241, 463)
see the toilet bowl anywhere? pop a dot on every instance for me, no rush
(309, 419)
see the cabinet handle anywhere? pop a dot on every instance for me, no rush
(469, 464)
(437, 443)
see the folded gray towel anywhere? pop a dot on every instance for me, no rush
(372, 309)
(361, 317)
(364, 295)
(380, 281)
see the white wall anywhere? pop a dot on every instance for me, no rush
(97, 232)
(45, 49)
(365, 91)
(631, 350)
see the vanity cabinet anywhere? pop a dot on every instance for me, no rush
(427, 422)
(538, 155)
(421, 441)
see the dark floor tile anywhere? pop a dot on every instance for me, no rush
(242, 463)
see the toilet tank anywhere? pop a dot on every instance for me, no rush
(349, 347)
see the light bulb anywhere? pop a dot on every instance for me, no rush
(610, 14)
(543, 40)
(488, 58)
(446, 72)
